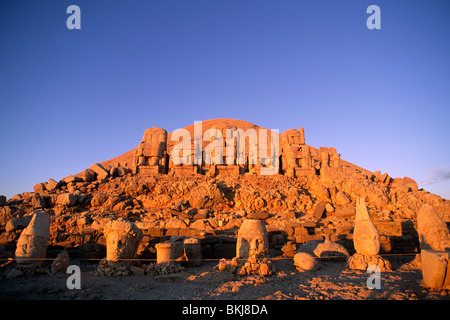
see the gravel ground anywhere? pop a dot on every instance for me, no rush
(333, 281)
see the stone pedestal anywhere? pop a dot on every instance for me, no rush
(169, 251)
(192, 252)
(435, 268)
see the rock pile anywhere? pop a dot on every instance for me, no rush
(251, 266)
(361, 262)
(117, 269)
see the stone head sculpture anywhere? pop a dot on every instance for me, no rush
(433, 231)
(253, 240)
(122, 240)
(366, 238)
(33, 242)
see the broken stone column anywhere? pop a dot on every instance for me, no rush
(434, 240)
(33, 242)
(122, 240)
(166, 252)
(253, 240)
(192, 252)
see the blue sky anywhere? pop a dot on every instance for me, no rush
(69, 98)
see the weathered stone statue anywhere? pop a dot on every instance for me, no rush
(296, 156)
(33, 242)
(366, 238)
(434, 240)
(151, 152)
(122, 240)
(253, 240)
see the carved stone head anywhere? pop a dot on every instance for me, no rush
(253, 240)
(122, 240)
(33, 242)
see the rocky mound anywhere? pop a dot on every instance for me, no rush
(296, 208)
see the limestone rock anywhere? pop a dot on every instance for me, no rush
(342, 199)
(433, 231)
(2, 200)
(330, 249)
(407, 182)
(18, 223)
(361, 262)
(365, 235)
(305, 261)
(40, 188)
(52, 185)
(205, 196)
(87, 175)
(33, 242)
(101, 172)
(66, 199)
(319, 210)
(61, 262)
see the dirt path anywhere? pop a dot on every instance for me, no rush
(332, 281)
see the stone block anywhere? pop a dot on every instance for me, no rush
(150, 170)
(319, 210)
(389, 228)
(170, 232)
(435, 268)
(300, 231)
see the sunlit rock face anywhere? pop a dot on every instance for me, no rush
(33, 242)
(122, 240)
(253, 239)
(365, 235)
